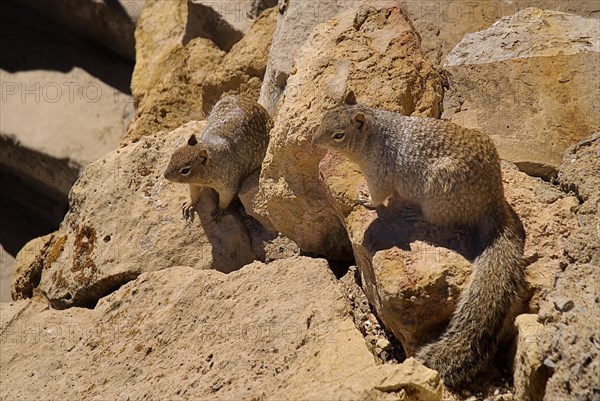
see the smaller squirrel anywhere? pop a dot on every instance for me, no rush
(453, 175)
(231, 148)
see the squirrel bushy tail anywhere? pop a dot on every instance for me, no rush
(498, 276)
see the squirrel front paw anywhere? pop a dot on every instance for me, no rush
(366, 201)
(187, 210)
(217, 214)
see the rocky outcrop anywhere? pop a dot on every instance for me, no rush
(539, 63)
(373, 51)
(6, 265)
(264, 332)
(295, 22)
(570, 310)
(442, 25)
(183, 68)
(125, 219)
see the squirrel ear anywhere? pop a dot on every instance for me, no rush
(192, 141)
(203, 155)
(350, 98)
(360, 120)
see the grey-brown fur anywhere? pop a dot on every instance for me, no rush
(232, 147)
(453, 174)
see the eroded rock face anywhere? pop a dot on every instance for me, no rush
(277, 331)
(570, 310)
(442, 25)
(184, 66)
(371, 50)
(125, 219)
(295, 22)
(540, 64)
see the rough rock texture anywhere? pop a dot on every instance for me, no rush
(107, 22)
(413, 273)
(242, 69)
(6, 264)
(442, 25)
(125, 219)
(26, 272)
(277, 331)
(542, 67)
(571, 311)
(181, 72)
(295, 21)
(376, 53)
(530, 374)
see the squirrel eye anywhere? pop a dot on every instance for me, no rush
(338, 136)
(185, 171)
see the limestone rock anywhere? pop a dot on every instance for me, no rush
(442, 25)
(295, 22)
(6, 266)
(107, 22)
(125, 219)
(570, 336)
(375, 53)
(530, 374)
(536, 60)
(27, 272)
(175, 97)
(243, 67)
(264, 332)
(182, 69)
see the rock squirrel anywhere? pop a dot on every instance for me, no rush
(231, 148)
(453, 175)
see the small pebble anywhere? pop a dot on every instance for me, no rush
(563, 304)
(549, 363)
(384, 344)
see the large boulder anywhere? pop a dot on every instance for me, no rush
(6, 264)
(183, 69)
(570, 310)
(295, 21)
(373, 51)
(538, 63)
(125, 219)
(277, 331)
(442, 25)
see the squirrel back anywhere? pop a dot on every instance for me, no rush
(453, 175)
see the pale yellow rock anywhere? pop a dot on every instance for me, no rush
(530, 375)
(542, 66)
(277, 331)
(373, 51)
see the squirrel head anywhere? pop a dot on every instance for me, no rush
(342, 128)
(189, 163)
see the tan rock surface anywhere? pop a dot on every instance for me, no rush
(295, 21)
(376, 53)
(530, 374)
(181, 70)
(243, 67)
(6, 265)
(125, 219)
(264, 332)
(570, 311)
(542, 68)
(442, 25)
